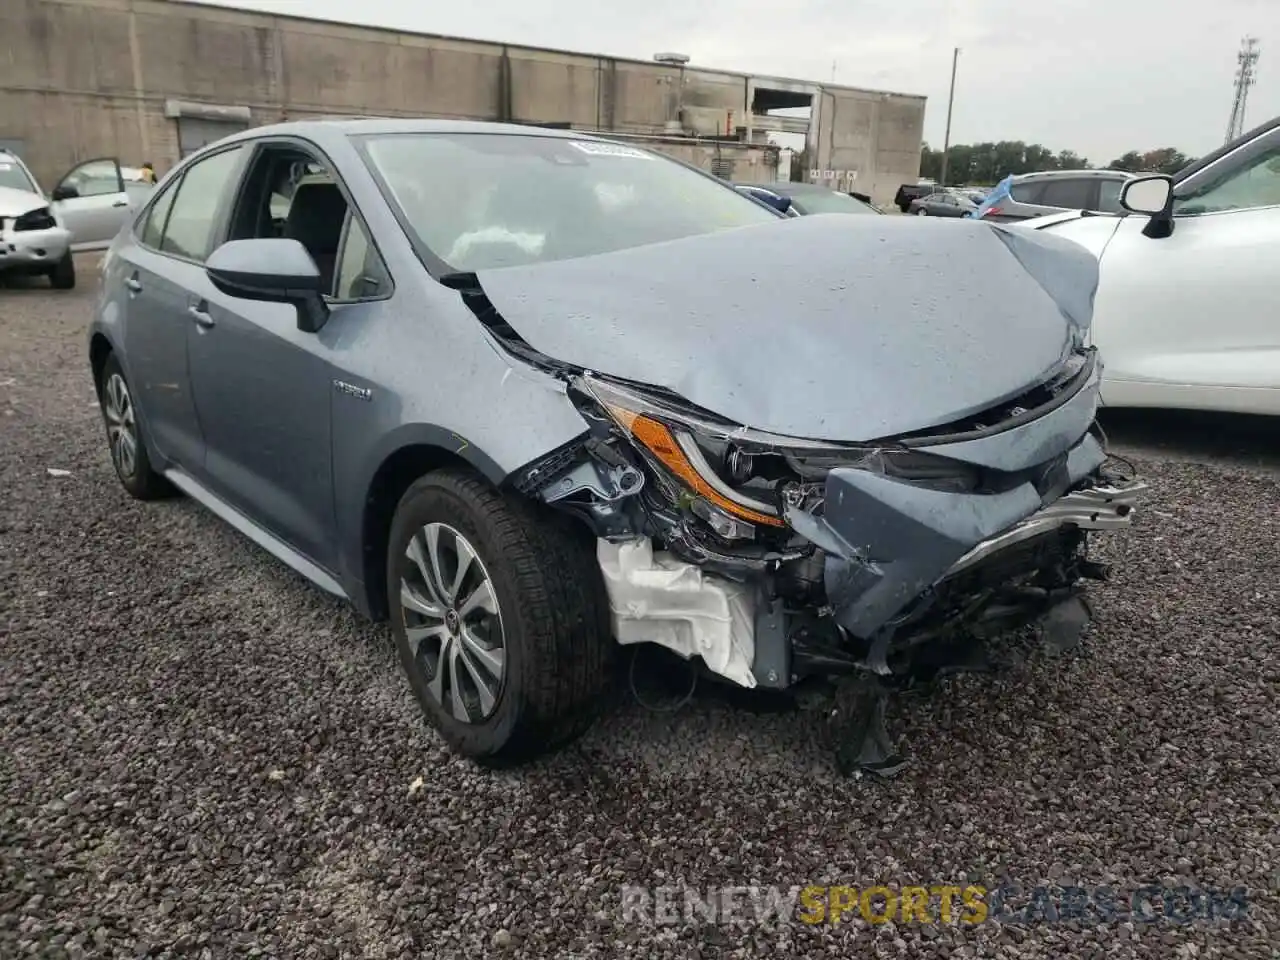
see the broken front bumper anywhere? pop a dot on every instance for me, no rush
(886, 541)
(32, 250)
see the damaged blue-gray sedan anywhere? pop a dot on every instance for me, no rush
(531, 395)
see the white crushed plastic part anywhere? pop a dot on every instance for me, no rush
(657, 598)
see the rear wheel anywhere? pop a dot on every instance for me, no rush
(500, 618)
(921, 212)
(63, 274)
(124, 437)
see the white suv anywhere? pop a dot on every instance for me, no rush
(32, 239)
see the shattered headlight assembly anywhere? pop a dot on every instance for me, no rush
(677, 440)
(40, 219)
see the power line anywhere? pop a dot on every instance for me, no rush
(1247, 59)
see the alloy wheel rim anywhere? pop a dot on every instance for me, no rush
(122, 425)
(453, 623)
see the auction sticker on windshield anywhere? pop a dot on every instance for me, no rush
(609, 150)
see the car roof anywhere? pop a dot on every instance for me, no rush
(366, 126)
(1086, 172)
(1195, 166)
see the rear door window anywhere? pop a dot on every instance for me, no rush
(1071, 193)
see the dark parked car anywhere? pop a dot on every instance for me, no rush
(804, 199)
(531, 394)
(942, 204)
(912, 191)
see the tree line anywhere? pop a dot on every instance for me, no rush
(989, 163)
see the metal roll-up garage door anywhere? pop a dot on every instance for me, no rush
(200, 124)
(196, 132)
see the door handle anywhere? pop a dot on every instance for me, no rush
(201, 317)
(134, 285)
(121, 203)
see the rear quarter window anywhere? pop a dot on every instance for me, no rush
(151, 230)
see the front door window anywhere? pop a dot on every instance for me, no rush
(93, 178)
(1255, 184)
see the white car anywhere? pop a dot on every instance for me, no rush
(1187, 313)
(96, 198)
(32, 241)
(87, 208)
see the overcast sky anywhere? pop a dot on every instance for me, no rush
(1096, 76)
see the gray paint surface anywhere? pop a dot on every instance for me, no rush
(835, 328)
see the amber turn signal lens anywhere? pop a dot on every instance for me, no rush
(658, 440)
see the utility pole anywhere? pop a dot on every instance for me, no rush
(1248, 59)
(946, 140)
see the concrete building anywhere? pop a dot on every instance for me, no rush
(154, 79)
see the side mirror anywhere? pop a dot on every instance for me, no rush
(64, 191)
(1150, 195)
(272, 269)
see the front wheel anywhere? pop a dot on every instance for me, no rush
(500, 618)
(63, 274)
(922, 212)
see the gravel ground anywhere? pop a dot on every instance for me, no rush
(202, 755)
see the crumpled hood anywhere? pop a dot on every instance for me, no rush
(14, 203)
(825, 327)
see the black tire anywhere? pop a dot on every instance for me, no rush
(138, 478)
(63, 274)
(559, 651)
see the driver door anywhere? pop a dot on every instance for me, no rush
(92, 203)
(1192, 320)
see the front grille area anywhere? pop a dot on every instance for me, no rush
(1033, 403)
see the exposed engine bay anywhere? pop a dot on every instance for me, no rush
(775, 559)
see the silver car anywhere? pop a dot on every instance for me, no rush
(1054, 191)
(94, 199)
(533, 395)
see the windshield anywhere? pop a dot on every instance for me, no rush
(828, 201)
(15, 177)
(479, 201)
